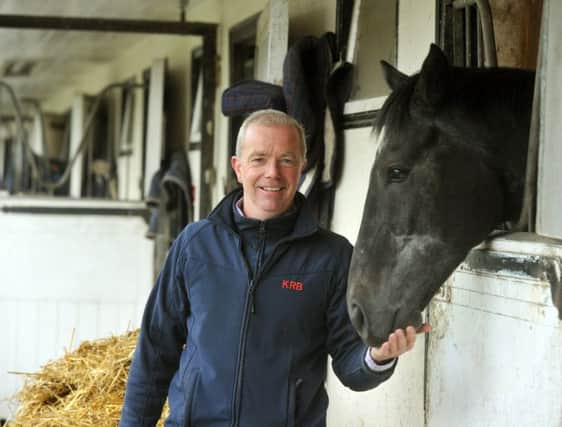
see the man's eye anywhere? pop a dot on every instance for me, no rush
(257, 160)
(288, 161)
(397, 174)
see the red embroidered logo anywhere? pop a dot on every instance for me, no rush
(292, 285)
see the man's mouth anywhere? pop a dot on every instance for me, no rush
(271, 189)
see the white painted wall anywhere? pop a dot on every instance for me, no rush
(416, 29)
(399, 401)
(495, 353)
(66, 277)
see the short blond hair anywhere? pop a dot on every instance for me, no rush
(271, 118)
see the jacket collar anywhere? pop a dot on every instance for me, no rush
(224, 213)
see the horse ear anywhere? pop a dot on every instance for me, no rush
(393, 77)
(432, 83)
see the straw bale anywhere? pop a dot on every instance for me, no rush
(85, 387)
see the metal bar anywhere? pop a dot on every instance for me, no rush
(479, 42)
(360, 120)
(443, 9)
(490, 55)
(105, 25)
(467, 38)
(78, 210)
(7, 118)
(18, 151)
(485, 12)
(458, 39)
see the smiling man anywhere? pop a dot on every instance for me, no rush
(250, 303)
(268, 163)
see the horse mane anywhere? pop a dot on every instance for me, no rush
(474, 95)
(485, 90)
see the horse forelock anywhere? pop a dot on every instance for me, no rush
(395, 110)
(395, 115)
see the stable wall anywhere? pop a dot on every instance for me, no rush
(495, 354)
(399, 401)
(71, 271)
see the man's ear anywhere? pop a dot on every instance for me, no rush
(235, 163)
(303, 165)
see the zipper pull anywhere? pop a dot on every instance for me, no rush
(252, 290)
(261, 231)
(252, 302)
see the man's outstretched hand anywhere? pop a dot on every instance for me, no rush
(399, 342)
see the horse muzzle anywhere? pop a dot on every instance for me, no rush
(374, 326)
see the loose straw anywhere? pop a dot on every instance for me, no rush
(85, 387)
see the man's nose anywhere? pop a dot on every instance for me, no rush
(272, 168)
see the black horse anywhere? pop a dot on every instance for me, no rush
(450, 166)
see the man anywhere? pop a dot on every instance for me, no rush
(249, 304)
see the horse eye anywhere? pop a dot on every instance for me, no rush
(396, 174)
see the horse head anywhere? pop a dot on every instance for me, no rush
(442, 179)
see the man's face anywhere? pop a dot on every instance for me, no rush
(269, 168)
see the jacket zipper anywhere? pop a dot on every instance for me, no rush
(293, 402)
(259, 260)
(241, 356)
(249, 308)
(242, 344)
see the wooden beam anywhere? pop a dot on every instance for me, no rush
(105, 25)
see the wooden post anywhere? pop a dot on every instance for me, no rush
(207, 177)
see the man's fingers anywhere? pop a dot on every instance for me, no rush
(401, 340)
(391, 343)
(387, 350)
(384, 350)
(424, 328)
(410, 337)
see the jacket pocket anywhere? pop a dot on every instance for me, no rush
(181, 388)
(292, 407)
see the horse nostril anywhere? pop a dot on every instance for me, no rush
(357, 317)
